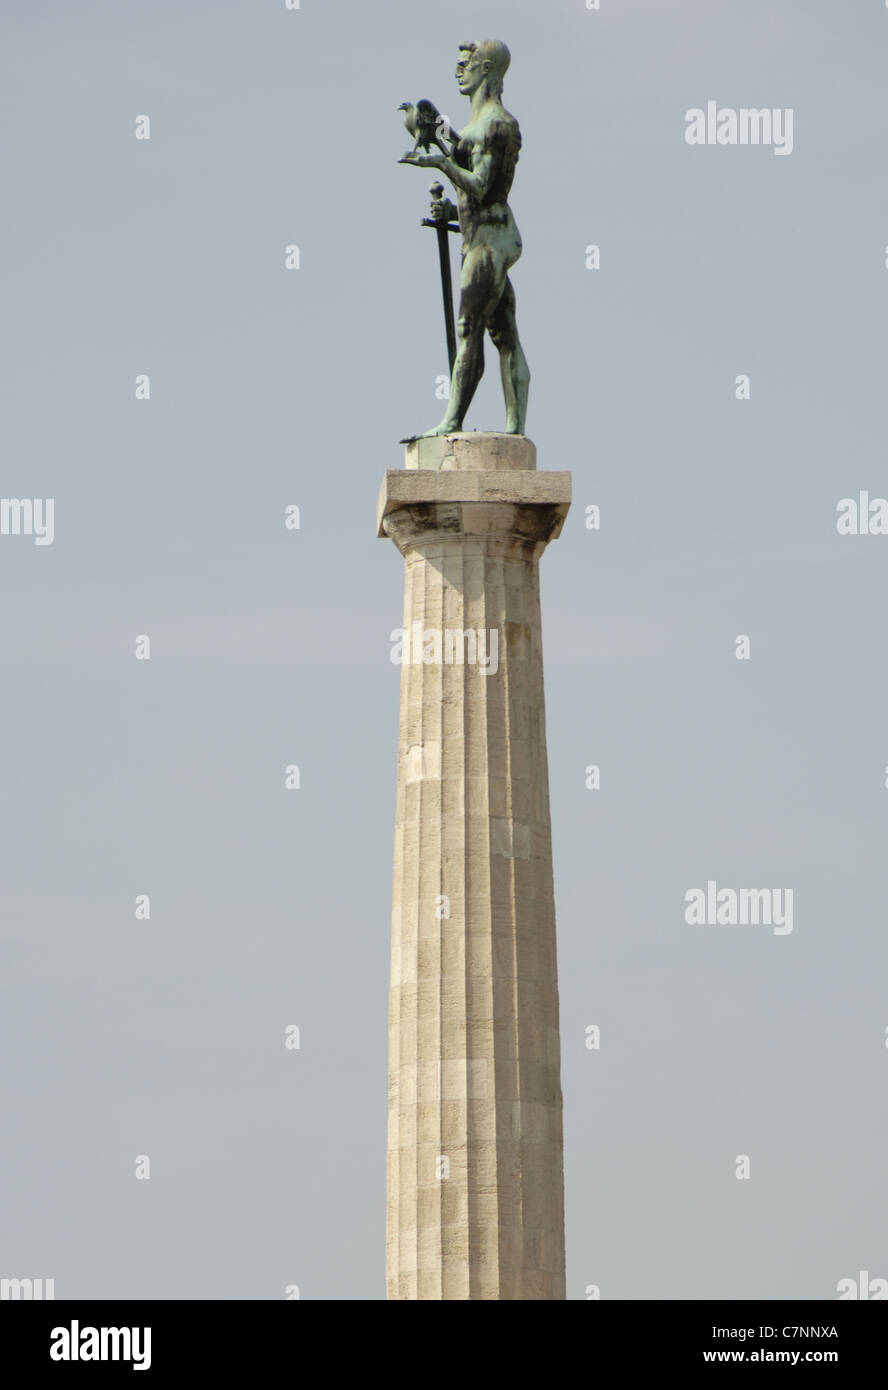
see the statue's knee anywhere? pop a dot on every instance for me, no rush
(466, 325)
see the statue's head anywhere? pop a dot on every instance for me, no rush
(480, 63)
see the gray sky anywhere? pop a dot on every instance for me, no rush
(272, 387)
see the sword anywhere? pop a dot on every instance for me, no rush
(443, 226)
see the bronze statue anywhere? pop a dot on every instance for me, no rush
(481, 167)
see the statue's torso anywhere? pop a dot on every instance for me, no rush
(497, 134)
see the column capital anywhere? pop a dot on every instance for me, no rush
(474, 502)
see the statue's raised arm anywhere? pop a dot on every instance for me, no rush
(481, 167)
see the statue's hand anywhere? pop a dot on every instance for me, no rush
(442, 211)
(423, 161)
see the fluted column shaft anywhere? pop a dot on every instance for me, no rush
(475, 1187)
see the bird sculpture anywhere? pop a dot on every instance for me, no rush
(426, 124)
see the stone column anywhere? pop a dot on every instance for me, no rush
(475, 1186)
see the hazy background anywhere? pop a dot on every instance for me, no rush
(270, 908)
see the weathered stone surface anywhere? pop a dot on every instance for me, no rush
(475, 1188)
(470, 450)
(400, 488)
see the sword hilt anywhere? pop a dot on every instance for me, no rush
(442, 210)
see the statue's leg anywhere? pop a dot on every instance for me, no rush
(513, 364)
(480, 290)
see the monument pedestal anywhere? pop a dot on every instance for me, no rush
(475, 1185)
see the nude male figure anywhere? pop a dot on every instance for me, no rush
(481, 168)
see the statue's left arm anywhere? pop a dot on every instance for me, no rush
(475, 181)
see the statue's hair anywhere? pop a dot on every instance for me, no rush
(499, 58)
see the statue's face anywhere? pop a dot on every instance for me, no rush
(470, 72)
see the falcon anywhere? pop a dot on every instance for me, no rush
(423, 122)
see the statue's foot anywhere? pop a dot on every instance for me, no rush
(444, 428)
